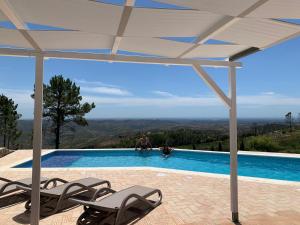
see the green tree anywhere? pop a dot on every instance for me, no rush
(242, 146)
(8, 121)
(220, 147)
(289, 120)
(62, 105)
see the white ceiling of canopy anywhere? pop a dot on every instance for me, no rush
(169, 23)
(269, 9)
(215, 51)
(13, 38)
(223, 7)
(81, 15)
(55, 40)
(257, 32)
(2, 17)
(278, 9)
(94, 25)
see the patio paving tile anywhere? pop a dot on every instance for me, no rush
(188, 199)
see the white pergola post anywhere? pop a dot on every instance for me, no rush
(230, 102)
(233, 145)
(37, 140)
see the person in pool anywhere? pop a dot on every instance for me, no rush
(166, 150)
(143, 143)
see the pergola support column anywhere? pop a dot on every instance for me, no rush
(230, 102)
(233, 145)
(37, 140)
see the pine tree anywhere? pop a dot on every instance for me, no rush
(8, 121)
(62, 105)
(289, 120)
(220, 147)
(242, 146)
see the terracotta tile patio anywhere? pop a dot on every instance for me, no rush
(188, 198)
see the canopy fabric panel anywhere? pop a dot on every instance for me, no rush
(2, 17)
(154, 46)
(284, 9)
(64, 40)
(215, 51)
(91, 24)
(81, 15)
(223, 7)
(169, 23)
(13, 38)
(257, 32)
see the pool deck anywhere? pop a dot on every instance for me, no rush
(189, 198)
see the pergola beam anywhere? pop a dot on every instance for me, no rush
(209, 81)
(221, 25)
(117, 58)
(21, 26)
(122, 26)
(216, 28)
(244, 53)
(9, 12)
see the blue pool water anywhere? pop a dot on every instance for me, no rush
(281, 168)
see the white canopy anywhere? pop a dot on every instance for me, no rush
(72, 25)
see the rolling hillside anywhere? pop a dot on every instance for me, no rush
(261, 135)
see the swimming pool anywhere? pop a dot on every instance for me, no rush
(280, 168)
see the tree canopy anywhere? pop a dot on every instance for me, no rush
(8, 121)
(62, 104)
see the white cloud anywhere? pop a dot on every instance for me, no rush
(268, 100)
(19, 96)
(249, 102)
(92, 83)
(136, 101)
(246, 100)
(98, 87)
(23, 99)
(268, 93)
(164, 94)
(106, 90)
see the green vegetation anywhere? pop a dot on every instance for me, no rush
(189, 134)
(62, 105)
(8, 121)
(261, 143)
(269, 137)
(261, 135)
(284, 141)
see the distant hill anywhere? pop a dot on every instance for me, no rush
(122, 133)
(109, 131)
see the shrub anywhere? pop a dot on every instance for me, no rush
(262, 143)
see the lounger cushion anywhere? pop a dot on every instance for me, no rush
(115, 200)
(58, 190)
(26, 182)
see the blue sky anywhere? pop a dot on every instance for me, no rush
(267, 86)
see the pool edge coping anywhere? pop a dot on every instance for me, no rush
(166, 170)
(254, 153)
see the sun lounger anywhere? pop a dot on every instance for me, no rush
(116, 204)
(52, 199)
(10, 186)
